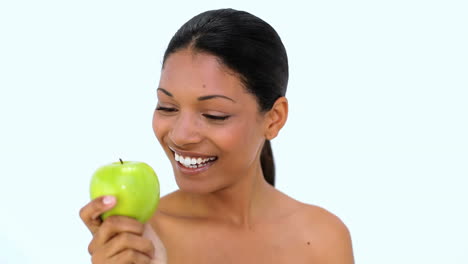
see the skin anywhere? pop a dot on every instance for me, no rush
(227, 213)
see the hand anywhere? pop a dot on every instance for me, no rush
(120, 239)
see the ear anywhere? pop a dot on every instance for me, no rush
(276, 118)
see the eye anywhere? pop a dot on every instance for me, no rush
(215, 117)
(166, 109)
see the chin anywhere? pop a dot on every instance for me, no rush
(197, 185)
(195, 188)
(191, 185)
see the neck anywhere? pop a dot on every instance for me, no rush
(239, 204)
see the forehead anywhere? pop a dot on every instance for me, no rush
(196, 70)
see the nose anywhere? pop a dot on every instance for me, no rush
(185, 130)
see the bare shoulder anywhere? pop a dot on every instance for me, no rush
(168, 209)
(164, 220)
(168, 201)
(172, 204)
(328, 234)
(326, 220)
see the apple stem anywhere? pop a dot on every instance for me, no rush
(121, 161)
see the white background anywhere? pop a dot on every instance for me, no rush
(377, 132)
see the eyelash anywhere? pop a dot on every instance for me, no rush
(212, 117)
(165, 109)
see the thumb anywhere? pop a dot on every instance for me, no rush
(90, 213)
(102, 205)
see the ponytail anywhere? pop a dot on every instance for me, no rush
(268, 164)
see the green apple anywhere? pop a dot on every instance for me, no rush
(134, 184)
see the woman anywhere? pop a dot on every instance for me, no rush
(221, 99)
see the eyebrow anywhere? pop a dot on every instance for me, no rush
(201, 98)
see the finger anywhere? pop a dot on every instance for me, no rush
(114, 225)
(130, 256)
(124, 241)
(90, 213)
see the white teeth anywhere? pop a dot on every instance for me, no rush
(190, 162)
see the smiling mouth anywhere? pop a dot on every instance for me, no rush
(193, 162)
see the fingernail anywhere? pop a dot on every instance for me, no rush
(108, 200)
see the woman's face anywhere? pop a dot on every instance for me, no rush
(207, 123)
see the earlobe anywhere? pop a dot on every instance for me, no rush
(277, 117)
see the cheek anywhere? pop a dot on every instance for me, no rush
(240, 141)
(159, 126)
